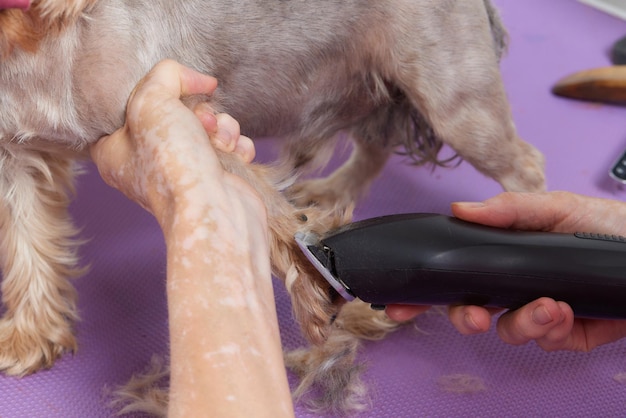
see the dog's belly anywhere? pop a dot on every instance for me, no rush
(329, 103)
(281, 66)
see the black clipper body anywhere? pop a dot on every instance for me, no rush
(430, 259)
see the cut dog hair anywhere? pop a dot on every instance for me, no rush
(393, 74)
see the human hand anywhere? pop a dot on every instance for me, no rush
(221, 307)
(550, 323)
(163, 148)
(162, 159)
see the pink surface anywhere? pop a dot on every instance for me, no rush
(14, 4)
(122, 300)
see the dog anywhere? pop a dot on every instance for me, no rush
(393, 74)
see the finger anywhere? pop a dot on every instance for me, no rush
(96, 149)
(469, 319)
(110, 149)
(109, 153)
(177, 80)
(402, 313)
(193, 82)
(529, 211)
(227, 134)
(228, 138)
(532, 321)
(560, 336)
(204, 112)
(245, 149)
(588, 334)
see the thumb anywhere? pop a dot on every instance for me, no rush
(525, 211)
(178, 80)
(110, 153)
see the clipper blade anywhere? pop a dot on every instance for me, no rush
(308, 242)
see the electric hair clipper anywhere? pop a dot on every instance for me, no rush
(430, 259)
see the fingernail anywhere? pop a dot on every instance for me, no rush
(470, 323)
(470, 205)
(224, 136)
(541, 316)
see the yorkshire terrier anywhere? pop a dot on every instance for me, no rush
(392, 74)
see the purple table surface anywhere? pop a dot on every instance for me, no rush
(122, 298)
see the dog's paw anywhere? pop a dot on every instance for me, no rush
(27, 348)
(527, 171)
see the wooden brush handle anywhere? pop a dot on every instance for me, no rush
(606, 85)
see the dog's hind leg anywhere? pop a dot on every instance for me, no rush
(454, 82)
(373, 140)
(332, 369)
(313, 300)
(348, 183)
(38, 255)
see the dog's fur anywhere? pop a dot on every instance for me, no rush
(411, 73)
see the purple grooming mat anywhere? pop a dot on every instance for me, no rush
(412, 372)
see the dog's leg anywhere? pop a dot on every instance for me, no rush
(332, 368)
(328, 367)
(457, 87)
(348, 183)
(38, 256)
(332, 371)
(373, 139)
(311, 295)
(312, 299)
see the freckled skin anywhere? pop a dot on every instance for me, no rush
(220, 297)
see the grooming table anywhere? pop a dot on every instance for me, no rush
(122, 299)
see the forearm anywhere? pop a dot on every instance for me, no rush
(225, 344)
